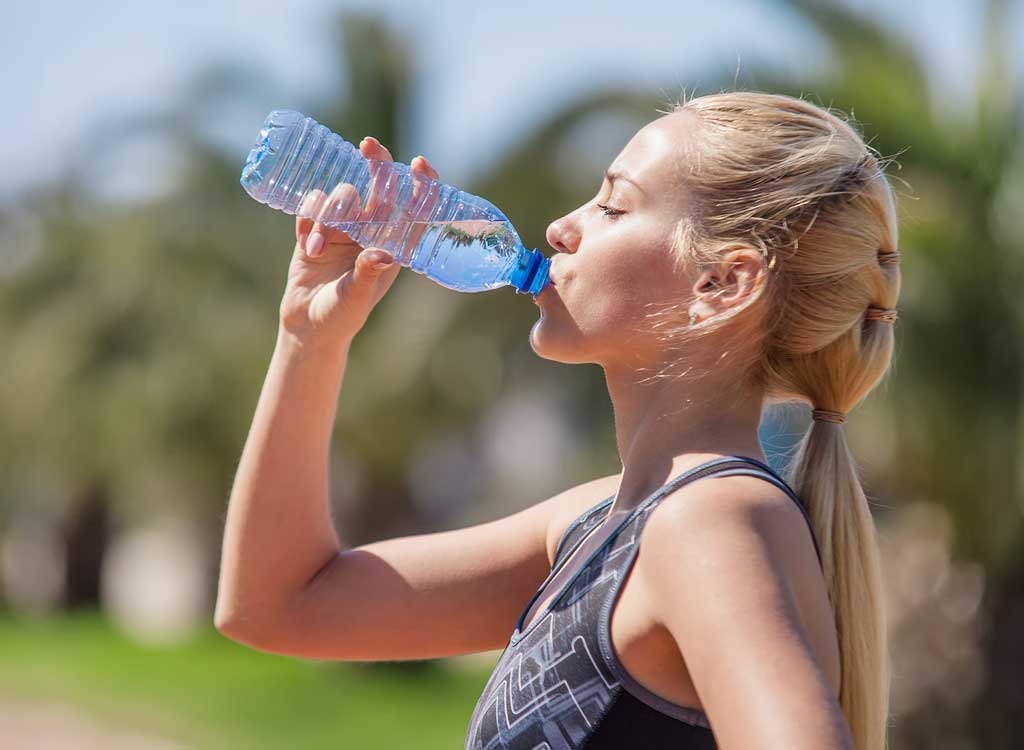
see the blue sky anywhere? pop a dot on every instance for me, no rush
(488, 69)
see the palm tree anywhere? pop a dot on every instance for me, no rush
(137, 340)
(139, 336)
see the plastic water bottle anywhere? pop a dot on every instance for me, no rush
(459, 240)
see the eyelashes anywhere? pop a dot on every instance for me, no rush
(608, 211)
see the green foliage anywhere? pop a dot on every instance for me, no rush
(137, 335)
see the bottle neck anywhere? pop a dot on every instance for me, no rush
(530, 273)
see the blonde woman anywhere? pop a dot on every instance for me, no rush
(741, 251)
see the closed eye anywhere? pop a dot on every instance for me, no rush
(608, 211)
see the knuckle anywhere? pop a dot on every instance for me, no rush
(340, 206)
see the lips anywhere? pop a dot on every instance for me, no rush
(550, 283)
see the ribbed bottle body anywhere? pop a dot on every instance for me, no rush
(459, 240)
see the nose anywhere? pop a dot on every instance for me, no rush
(562, 236)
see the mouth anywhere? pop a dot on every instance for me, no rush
(537, 296)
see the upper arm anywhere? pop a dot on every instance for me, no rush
(426, 595)
(720, 563)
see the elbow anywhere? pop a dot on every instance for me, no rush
(233, 624)
(226, 621)
(222, 622)
(246, 630)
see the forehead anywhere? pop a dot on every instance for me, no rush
(655, 155)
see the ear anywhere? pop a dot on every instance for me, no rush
(727, 282)
(741, 271)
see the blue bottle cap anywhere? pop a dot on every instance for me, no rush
(531, 272)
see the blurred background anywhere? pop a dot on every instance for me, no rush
(139, 288)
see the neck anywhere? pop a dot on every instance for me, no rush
(663, 429)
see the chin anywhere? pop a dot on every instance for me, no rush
(548, 343)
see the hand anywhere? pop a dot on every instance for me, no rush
(333, 282)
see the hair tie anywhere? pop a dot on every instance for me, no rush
(826, 415)
(888, 314)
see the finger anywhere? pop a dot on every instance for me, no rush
(384, 187)
(342, 205)
(339, 207)
(358, 287)
(423, 203)
(371, 148)
(426, 194)
(306, 215)
(382, 192)
(420, 164)
(376, 259)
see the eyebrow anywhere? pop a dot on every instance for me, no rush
(613, 176)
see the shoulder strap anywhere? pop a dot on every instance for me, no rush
(726, 466)
(570, 531)
(766, 472)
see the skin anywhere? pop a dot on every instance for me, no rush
(606, 270)
(737, 546)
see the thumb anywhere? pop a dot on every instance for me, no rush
(374, 260)
(369, 265)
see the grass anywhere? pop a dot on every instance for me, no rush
(214, 693)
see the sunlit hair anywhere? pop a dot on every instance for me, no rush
(797, 182)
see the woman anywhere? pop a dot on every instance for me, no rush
(741, 251)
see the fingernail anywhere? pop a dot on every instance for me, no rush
(314, 244)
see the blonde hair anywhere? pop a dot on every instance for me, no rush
(797, 182)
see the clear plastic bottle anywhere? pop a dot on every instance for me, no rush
(459, 240)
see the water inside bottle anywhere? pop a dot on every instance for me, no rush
(469, 255)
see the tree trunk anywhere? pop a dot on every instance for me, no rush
(998, 709)
(86, 532)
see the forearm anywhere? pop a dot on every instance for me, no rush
(278, 530)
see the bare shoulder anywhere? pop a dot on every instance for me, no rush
(734, 511)
(572, 503)
(741, 547)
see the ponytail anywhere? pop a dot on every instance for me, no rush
(798, 183)
(824, 476)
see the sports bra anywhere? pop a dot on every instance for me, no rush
(559, 685)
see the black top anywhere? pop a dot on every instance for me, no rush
(559, 685)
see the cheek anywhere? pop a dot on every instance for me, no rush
(610, 293)
(611, 306)
(626, 290)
